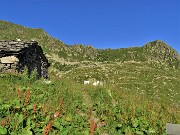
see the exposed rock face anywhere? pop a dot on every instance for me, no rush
(20, 54)
(160, 51)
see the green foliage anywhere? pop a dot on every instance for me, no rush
(123, 54)
(3, 131)
(64, 66)
(29, 78)
(160, 82)
(116, 111)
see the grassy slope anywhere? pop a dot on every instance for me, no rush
(157, 81)
(114, 110)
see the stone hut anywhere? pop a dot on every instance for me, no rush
(16, 55)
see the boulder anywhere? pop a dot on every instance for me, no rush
(9, 60)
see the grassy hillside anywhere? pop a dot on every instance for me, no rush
(159, 82)
(30, 107)
(140, 89)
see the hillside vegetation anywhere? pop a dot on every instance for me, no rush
(140, 89)
(67, 107)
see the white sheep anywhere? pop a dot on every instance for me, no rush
(86, 82)
(101, 83)
(96, 83)
(47, 81)
(17, 39)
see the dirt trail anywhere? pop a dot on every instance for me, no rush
(87, 99)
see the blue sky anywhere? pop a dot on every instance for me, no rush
(100, 23)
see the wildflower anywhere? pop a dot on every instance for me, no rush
(122, 117)
(60, 107)
(18, 93)
(48, 128)
(56, 114)
(133, 113)
(34, 108)
(152, 123)
(93, 127)
(5, 121)
(92, 122)
(27, 97)
(90, 114)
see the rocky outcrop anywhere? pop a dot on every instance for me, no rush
(20, 54)
(161, 52)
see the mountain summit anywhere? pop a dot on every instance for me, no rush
(160, 51)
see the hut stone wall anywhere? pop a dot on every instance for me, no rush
(16, 55)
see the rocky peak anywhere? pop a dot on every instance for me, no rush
(159, 47)
(160, 51)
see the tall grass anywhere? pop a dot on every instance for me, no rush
(62, 107)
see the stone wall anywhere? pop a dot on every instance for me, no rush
(16, 55)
